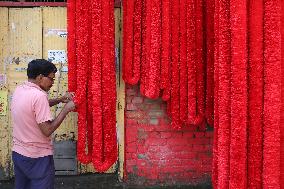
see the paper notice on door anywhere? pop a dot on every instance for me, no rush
(57, 56)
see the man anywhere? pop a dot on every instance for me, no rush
(32, 150)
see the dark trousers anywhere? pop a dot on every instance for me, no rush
(33, 173)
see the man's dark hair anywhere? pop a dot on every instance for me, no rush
(40, 66)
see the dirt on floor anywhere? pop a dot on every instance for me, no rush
(97, 181)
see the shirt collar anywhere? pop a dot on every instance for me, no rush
(30, 84)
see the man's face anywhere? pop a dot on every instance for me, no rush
(47, 82)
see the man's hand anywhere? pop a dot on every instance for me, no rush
(69, 106)
(68, 96)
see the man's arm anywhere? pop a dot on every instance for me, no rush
(48, 127)
(64, 99)
(54, 101)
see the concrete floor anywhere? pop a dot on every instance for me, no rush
(97, 181)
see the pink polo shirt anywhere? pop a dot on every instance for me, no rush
(30, 107)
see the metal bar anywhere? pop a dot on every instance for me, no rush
(117, 4)
(32, 4)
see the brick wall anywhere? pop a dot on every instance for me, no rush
(157, 154)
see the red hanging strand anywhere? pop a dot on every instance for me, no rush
(194, 63)
(224, 95)
(199, 117)
(71, 45)
(183, 64)
(94, 81)
(282, 98)
(82, 67)
(238, 138)
(137, 42)
(255, 98)
(272, 94)
(105, 151)
(146, 45)
(166, 52)
(132, 11)
(175, 85)
(97, 81)
(209, 14)
(215, 174)
(153, 44)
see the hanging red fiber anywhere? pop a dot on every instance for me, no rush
(82, 71)
(215, 174)
(103, 88)
(182, 62)
(71, 45)
(238, 138)
(172, 64)
(151, 88)
(93, 69)
(131, 41)
(247, 95)
(165, 53)
(272, 94)
(209, 39)
(175, 85)
(195, 71)
(255, 92)
(282, 98)
(145, 20)
(224, 95)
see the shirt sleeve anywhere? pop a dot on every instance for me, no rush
(42, 109)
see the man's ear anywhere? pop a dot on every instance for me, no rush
(39, 77)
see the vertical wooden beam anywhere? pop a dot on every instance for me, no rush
(120, 93)
(5, 131)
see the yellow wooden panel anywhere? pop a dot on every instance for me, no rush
(120, 94)
(25, 42)
(3, 38)
(5, 130)
(55, 40)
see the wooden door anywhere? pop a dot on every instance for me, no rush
(41, 32)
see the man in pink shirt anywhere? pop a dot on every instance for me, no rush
(32, 150)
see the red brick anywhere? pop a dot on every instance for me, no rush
(198, 141)
(131, 107)
(185, 155)
(131, 122)
(209, 134)
(199, 134)
(134, 114)
(131, 92)
(154, 121)
(177, 148)
(188, 134)
(176, 156)
(176, 141)
(177, 135)
(143, 121)
(156, 142)
(166, 135)
(137, 100)
(155, 114)
(198, 148)
(155, 134)
(155, 107)
(131, 148)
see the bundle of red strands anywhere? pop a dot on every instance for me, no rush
(165, 51)
(235, 62)
(92, 77)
